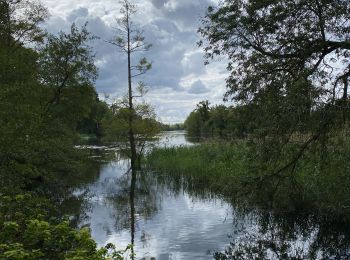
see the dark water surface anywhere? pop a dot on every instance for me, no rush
(166, 220)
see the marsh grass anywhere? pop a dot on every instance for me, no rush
(320, 184)
(215, 166)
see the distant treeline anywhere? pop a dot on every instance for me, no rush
(219, 121)
(172, 127)
(241, 121)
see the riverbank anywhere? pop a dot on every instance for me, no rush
(227, 169)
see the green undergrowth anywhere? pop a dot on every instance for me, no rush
(27, 231)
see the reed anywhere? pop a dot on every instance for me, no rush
(319, 185)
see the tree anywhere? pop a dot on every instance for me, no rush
(217, 121)
(276, 39)
(19, 26)
(92, 124)
(196, 122)
(19, 89)
(288, 60)
(19, 22)
(115, 126)
(68, 72)
(44, 90)
(130, 40)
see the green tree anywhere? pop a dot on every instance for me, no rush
(115, 126)
(130, 40)
(68, 72)
(218, 122)
(92, 124)
(288, 61)
(269, 42)
(193, 124)
(44, 91)
(19, 22)
(20, 90)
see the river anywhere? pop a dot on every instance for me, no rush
(166, 220)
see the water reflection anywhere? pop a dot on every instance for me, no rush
(175, 138)
(132, 200)
(288, 237)
(168, 217)
(132, 211)
(134, 207)
(262, 234)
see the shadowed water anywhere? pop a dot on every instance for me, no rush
(166, 220)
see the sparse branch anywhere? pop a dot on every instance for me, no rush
(120, 46)
(291, 164)
(138, 74)
(141, 47)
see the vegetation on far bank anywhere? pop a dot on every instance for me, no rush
(172, 127)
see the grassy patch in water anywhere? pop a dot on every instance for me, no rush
(215, 166)
(318, 186)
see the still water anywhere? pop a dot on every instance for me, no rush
(166, 220)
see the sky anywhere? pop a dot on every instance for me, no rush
(178, 79)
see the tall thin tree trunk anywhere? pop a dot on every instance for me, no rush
(346, 86)
(131, 108)
(345, 98)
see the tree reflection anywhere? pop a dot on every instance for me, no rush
(134, 198)
(264, 234)
(72, 190)
(132, 211)
(287, 237)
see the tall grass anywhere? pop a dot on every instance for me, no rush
(320, 183)
(216, 166)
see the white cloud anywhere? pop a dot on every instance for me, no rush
(198, 87)
(178, 79)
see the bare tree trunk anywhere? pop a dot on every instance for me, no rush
(346, 86)
(130, 41)
(345, 105)
(133, 152)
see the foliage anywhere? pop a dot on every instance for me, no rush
(93, 123)
(280, 45)
(172, 127)
(26, 234)
(68, 72)
(115, 126)
(37, 142)
(289, 69)
(220, 121)
(19, 21)
(46, 91)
